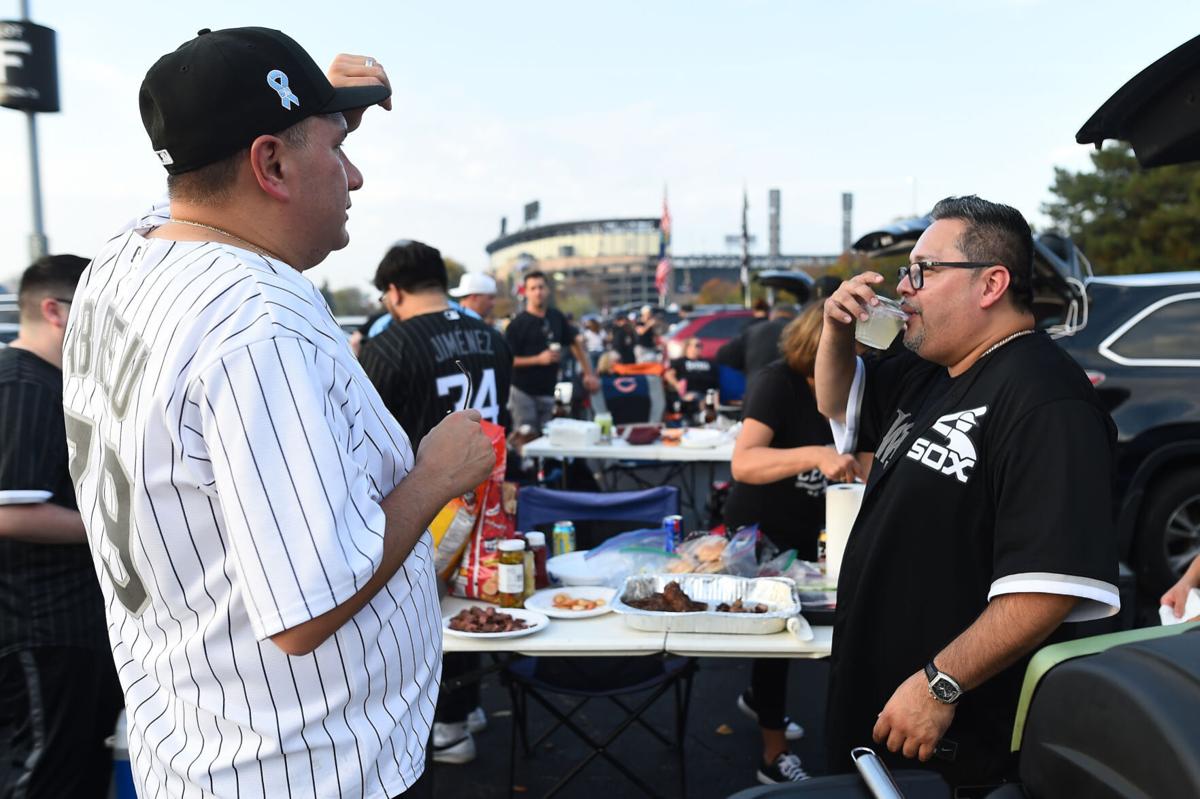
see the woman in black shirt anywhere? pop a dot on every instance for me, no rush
(782, 461)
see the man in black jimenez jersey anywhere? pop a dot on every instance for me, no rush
(431, 360)
(985, 523)
(415, 362)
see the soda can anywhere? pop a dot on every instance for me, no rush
(563, 535)
(673, 525)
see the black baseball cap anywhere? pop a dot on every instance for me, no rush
(218, 92)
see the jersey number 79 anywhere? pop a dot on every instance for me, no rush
(113, 497)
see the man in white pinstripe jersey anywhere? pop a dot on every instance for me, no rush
(256, 516)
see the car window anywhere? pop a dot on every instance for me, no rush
(724, 327)
(1169, 331)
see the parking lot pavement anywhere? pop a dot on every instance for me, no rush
(722, 745)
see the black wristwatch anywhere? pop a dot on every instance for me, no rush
(942, 686)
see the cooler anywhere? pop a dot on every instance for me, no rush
(1121, 723)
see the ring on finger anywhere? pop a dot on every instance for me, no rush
(370, 62)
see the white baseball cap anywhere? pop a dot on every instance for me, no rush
(474, 283)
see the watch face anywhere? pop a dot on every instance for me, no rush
(943, 690)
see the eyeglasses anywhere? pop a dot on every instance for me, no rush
(915, 272)
(63, 300)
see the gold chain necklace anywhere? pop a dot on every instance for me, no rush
(252, 247)
(1004, 341)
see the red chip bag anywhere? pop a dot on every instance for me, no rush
(478, 575)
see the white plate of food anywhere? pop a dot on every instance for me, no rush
(461, 623)
(23, 497)
(573, 601)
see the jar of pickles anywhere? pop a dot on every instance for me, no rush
(511, 575)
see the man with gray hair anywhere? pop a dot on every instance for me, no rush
(972, 544)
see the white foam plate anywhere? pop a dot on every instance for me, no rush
(543, 601)
(536, 621)
(24, 497)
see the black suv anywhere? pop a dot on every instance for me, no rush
(1138, 338)
(1140, 345)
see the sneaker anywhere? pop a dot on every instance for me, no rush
(791, 730)
(453, 743)
(477, 720)
(785, 768)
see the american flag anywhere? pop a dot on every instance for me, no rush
(662, 273)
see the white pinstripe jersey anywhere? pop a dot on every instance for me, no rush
(229, 455)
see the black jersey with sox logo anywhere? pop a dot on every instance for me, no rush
(414, 365)
(993, 482)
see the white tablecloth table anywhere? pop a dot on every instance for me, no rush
(609, 635)
(598, 635)
(624, 451)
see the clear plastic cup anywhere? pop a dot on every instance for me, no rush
(885, 322)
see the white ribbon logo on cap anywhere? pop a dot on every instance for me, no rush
(278, 81)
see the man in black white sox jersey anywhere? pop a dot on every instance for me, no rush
(971, 546)
(59, 696)
(256, 515)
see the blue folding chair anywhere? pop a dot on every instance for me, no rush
(586, 678)
(539, 507)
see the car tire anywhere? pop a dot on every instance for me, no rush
(1169, 535)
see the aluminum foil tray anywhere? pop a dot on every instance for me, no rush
(777, 593)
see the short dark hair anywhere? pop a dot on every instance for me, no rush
(995, 233)
(532, 275)
(412, 266)
(50, 275)
(212, 184)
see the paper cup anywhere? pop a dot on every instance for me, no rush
(842, 501)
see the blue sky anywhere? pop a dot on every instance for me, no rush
(592, 108)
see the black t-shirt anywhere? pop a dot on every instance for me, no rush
(645, 338)
(623, 341)
(531, 335)
(790, 511)
(755, 347)
(49, 594)
(700, 374)
(997, 481)
(412, 366)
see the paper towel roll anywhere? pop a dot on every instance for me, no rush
(842, 501)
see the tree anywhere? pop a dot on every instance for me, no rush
(350, 301)
(1128, 220)
(716, 291)
(454, 271)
